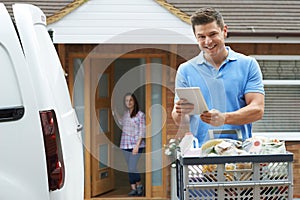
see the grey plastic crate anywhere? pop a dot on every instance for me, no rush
(244, 177)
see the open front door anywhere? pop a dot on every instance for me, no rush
(101, 127)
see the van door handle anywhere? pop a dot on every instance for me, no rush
(79, 127)
(11, 114)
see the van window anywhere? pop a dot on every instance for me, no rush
(9, 86)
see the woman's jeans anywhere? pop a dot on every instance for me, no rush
(132, 161)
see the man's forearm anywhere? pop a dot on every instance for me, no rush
(245, 115)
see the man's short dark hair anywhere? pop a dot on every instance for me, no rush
(205, 16)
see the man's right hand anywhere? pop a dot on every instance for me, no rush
(183, 107)
(180, 112)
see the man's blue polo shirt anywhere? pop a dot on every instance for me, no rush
(223, 89)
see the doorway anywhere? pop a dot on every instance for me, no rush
(128, 76)
(102, 136)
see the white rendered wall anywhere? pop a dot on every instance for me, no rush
(120, 21)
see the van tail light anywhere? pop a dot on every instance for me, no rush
(54, 157)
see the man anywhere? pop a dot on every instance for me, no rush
(231, 82)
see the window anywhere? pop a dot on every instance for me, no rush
(281, 76)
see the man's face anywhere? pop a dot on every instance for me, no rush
(211, 38)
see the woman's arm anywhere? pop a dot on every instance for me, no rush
(137, 146)
(119, 119)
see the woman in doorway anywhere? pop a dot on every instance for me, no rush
(132, 141)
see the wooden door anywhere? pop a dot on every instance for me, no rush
(101, 127)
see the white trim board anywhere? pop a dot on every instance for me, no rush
(285, 136)
(119, 22)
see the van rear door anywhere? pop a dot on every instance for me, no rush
(45, 67)
(22, 169)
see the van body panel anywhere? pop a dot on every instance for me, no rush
(73, 157)
(21, 144)
(33, 53)
(34, 81)
(11, 94)
(40, 53)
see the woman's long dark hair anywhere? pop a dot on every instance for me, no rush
(136, 104)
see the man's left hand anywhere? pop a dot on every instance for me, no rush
(213, 117)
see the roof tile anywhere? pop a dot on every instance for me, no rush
(270, 16)
(54, 9)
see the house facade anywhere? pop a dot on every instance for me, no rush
(110, 47)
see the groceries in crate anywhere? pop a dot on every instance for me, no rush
(254, 145)
(183, 145)
(264, 145)
(188, 142)
(222, 147)
(171, 149)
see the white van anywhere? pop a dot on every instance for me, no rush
(41, 152)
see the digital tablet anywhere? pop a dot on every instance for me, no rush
(193, 95)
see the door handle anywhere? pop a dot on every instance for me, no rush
(11, 114)
(79, 127)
